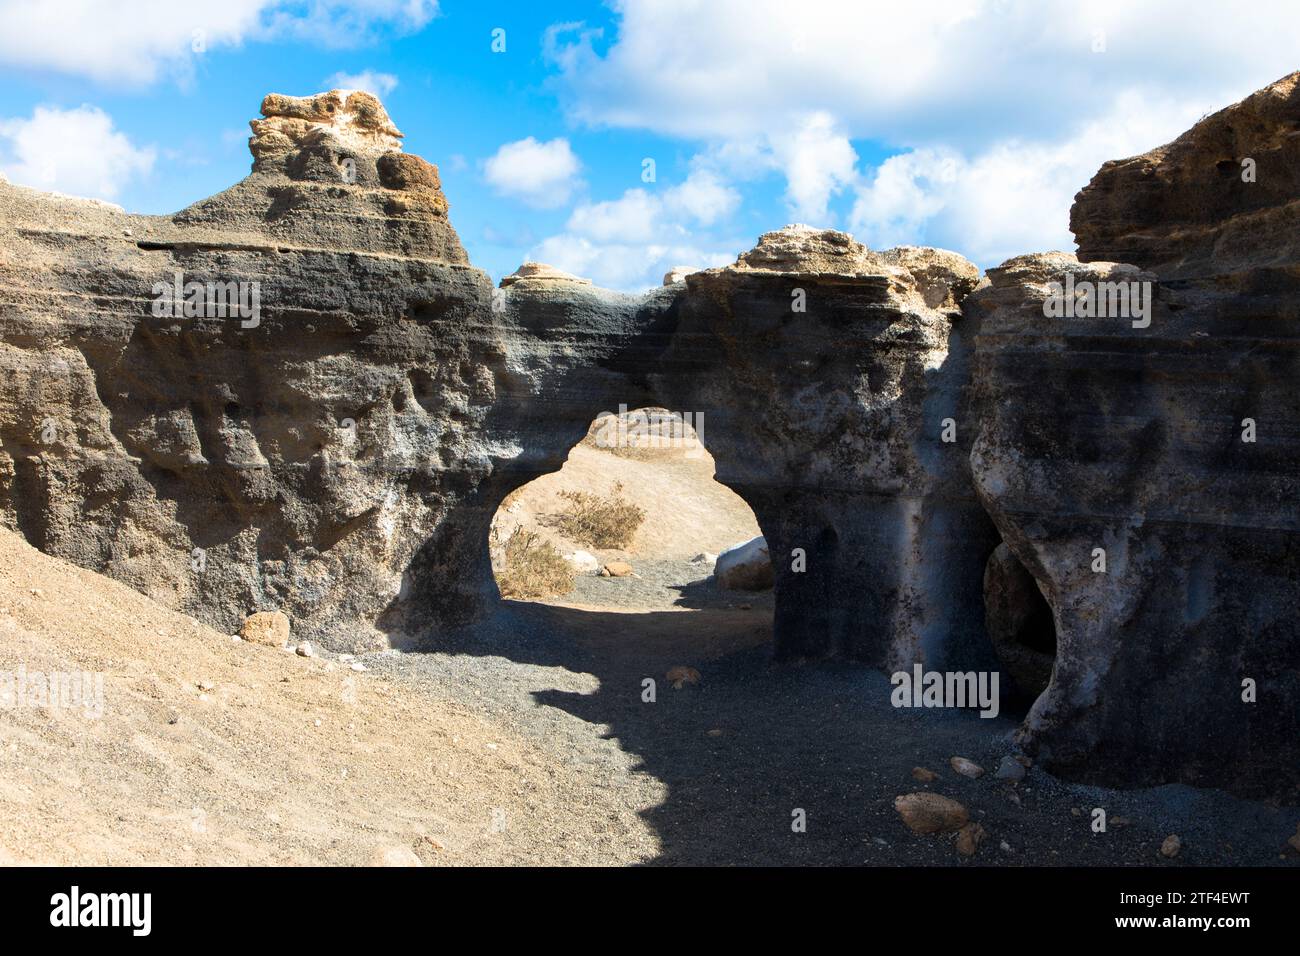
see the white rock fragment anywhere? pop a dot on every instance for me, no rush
(584, 562)
(967, 768)
(745, 567)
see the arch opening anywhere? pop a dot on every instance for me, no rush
(635, 523)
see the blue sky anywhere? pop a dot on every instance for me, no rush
(962, 123)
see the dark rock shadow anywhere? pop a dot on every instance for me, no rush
(755, 741)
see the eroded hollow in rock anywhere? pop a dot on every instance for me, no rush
(633, 521)
(1020, 625)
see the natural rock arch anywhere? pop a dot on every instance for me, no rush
(889, 414)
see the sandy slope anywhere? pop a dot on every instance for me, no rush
(284, 760)
(687, 511)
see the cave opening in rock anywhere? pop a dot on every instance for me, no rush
(1021, 626)
(634, 523)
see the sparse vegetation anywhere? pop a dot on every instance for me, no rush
(600, 521)
(533, 568)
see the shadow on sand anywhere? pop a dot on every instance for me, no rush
(754, 741)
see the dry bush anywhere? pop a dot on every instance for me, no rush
(599, 521)
(533, 568)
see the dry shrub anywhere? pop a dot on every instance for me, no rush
(599, 521)
(533, 568)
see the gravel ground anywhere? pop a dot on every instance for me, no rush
(524, 740)
(661, 585)
(718, 768)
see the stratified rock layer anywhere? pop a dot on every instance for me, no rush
(829, 383)
(296, 459)
(1102, 442)
(1223, 197)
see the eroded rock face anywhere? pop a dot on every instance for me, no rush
(540, 272)
(350, 122)
(1168, 451)
(308, 450)
(1099, 442)
(825, 380)
(1146, 472)
(1224, 197)
(562, 350)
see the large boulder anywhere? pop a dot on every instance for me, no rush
(744, 567)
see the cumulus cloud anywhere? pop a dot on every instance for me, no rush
(541, 174)
(74, 151)
(380, 84)
(630, 242)
(701, 198)
(137, 42)
(971, 71)
(818, 161)
(1001, 109)
(1011, 197)
(343, 23)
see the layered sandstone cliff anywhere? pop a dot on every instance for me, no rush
(296, 458)
(1223, 197)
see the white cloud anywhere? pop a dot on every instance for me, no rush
(380, 84)
(702, 198)
(135, 42)
(971, 71)
(818, 161)
(1002, 107)
(73, 151)
(344, 23)
(633, 218)
(1010, 198)
(630, 242)
(541, 174)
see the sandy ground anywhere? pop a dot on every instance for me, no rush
(526, 739)
(547, 734)
(738, 753)
(687, 511)
(284, 759)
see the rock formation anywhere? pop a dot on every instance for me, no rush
(1145, 471)
(1224, 197)
(293, 456)
(299, 396)
(830, 377)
